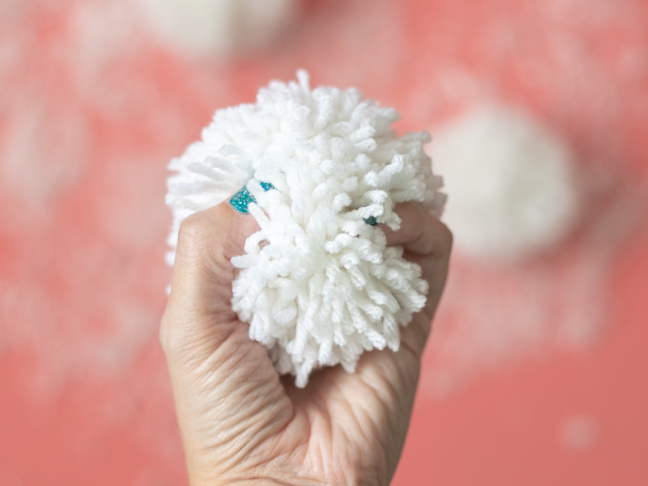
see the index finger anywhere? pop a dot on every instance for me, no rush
(427, 242)
(420, 232)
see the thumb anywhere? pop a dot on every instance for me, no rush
(221, 379)
(199, 314)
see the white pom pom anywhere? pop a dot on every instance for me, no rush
(217, 27)
(318, 285)
(511, 182)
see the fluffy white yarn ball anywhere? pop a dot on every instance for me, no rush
(317, 284)
(512, 184)
(218, 27)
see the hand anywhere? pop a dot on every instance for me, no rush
(243, 423)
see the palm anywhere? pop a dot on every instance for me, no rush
(322, 431)
(354, 421)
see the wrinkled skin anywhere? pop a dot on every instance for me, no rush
(243, 423)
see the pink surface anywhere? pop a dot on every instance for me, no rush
(91, 110)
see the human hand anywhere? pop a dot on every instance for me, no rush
(240, 421)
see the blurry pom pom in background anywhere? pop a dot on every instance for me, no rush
(511, 184)
(217, 28)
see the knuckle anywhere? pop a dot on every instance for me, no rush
(171, 341)
(446, 239)
(194, 233)
(166, 337)
(439, 240)
(414, 337)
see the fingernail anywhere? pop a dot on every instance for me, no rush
(371, 221)
(242, 199)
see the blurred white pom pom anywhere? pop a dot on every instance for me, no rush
(317, 284)
(218, 27)
(511, 182)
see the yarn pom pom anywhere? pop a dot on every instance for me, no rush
(317, 283)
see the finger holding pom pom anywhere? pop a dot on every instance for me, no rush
(203, 273)
(427, 242)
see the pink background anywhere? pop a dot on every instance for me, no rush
(92, 107)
